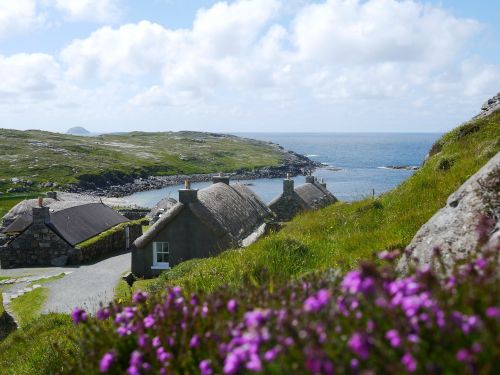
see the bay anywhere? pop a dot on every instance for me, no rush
(354, 163)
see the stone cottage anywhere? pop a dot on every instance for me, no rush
(309, 196)
(203, 223)
(48, 232)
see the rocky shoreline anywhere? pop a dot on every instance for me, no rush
(293, 163)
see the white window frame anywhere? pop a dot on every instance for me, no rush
(160, 265)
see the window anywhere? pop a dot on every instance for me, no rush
(160, 255)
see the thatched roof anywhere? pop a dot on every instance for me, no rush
(228, 210)
(311, 196)
(314, 195)
(160, 208)
(73, 221)
(162, 222)
(235, 208)
(23, 208)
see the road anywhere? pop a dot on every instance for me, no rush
(84, 286)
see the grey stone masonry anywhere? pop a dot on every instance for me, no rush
(36, 246)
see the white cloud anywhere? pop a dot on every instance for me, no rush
(28, 76)
(253, 54)
(89, 10)
(17, 16)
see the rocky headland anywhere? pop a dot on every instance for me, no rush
(293, 164)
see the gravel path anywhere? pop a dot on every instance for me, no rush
(87, 285)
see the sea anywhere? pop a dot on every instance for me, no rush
(354, 164)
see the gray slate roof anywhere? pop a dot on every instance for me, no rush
(75, 222)
(232, 210)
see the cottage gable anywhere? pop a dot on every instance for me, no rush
(202, 224)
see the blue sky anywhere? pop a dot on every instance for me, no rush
(247, 65)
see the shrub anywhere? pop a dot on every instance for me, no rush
(369, 321)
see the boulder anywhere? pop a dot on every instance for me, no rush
(453, 229)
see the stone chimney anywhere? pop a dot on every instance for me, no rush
(323, 183)
(41, 214)
(188, 195)
(52, 194)
(288, 186)
(310, 179)
(221, 178)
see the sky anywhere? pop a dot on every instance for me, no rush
(247, 65)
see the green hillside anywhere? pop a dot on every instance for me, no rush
(340, 235)
(345, 233)
(37, 157)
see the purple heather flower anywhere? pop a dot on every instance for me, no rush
(493, 312)
(409, 362)
(354, 364)
(271, 354)
(206, 367)
(135, 359)
(149, 321)
(194, 342)
(393, 337)
(143, 341)
(231, 364)
(232, 306)
(156, 342)
(79, 316)
(255, 317)
(193, 300)
(358, 343)
(354, 282)
(103, 314)
(317, 301)
(254, 364)
(139, 296)
(476, 347)
(481, 263)
(177, 290)
(162, 355)
(463, 355)
(204, 311)
(106, 361)
(132, 370)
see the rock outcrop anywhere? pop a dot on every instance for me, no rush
(453, 229)
(492, 105)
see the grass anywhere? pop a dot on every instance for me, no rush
(10, 200)
(28, 306)
(115, 229)
(39, 347)
(39, 157)
(343, 234)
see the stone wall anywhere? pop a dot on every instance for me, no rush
(134, 213)
(110, 244)
(36, 246)
(287, 207)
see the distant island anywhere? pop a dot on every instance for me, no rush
(78, 130)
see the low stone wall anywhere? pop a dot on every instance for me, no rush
(134, 213)
(110, 244)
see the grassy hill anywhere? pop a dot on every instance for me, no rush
(338, 236)
(37, 157)
(345, 233)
